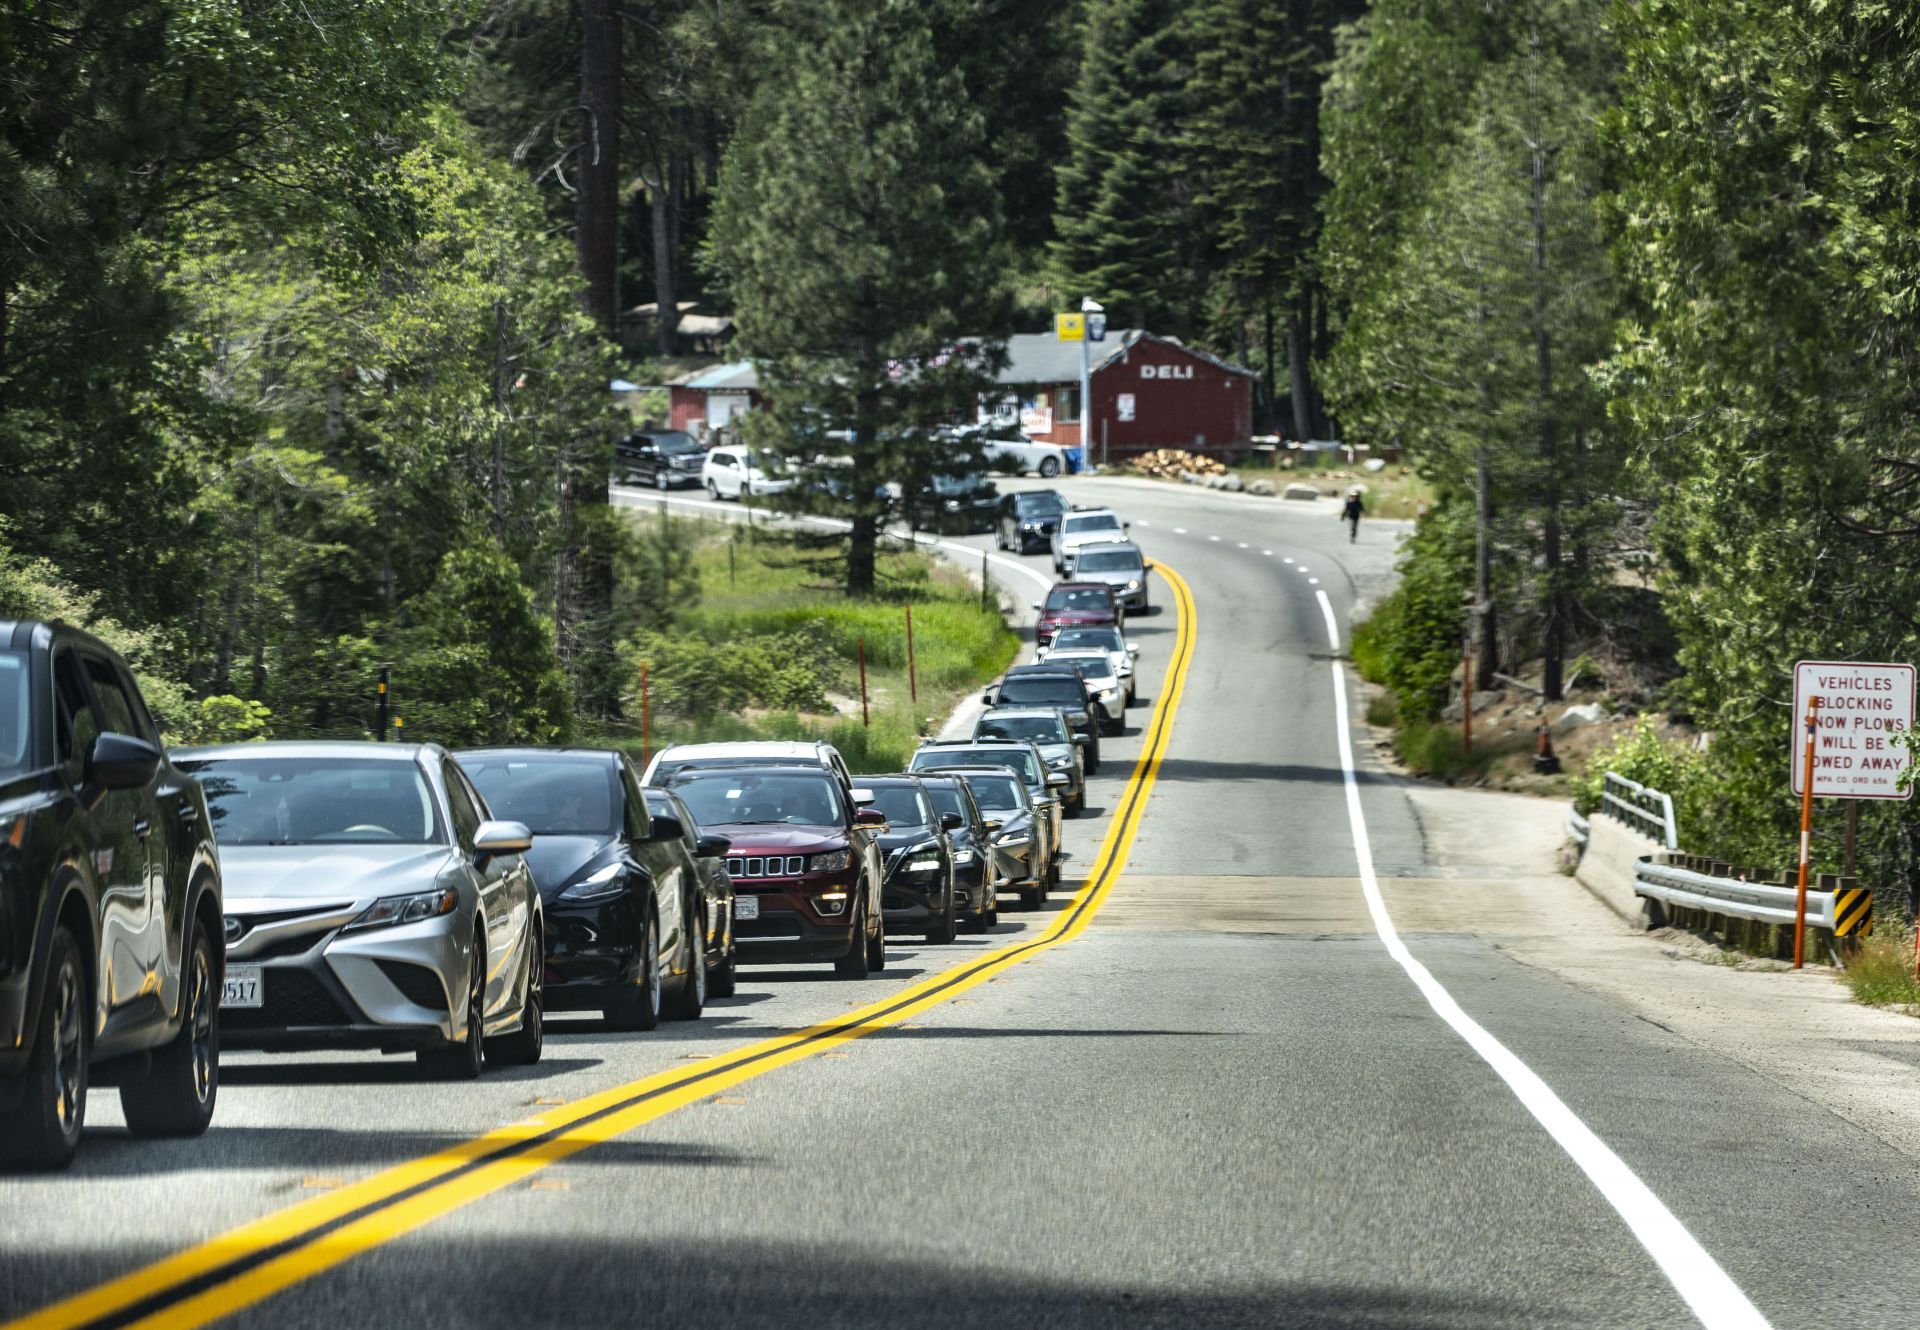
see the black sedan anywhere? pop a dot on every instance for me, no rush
(976, 880)
(709, 855)
(1026, 519)
(917, 891)
(626, 901)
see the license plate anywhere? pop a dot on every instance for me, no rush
(242, 988)
(746, 907)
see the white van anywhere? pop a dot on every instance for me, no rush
(731, 471)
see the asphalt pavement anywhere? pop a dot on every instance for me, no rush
(1147, 1105)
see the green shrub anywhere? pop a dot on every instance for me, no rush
(1880, 973)
(1411, 642)
(1640, 755)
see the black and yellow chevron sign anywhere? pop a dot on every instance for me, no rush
(1852, 912)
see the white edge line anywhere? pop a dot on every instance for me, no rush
(1706, 1288)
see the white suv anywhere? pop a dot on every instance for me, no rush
(734, 472)
(1084, 526)
(746, 753)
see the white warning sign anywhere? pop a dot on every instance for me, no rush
(1862, 707)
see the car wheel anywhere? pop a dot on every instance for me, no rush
(857, 963)
(949, 926)
(1077, 805)
(522, 1047)
(1049, 467)
(726, 975)
(1032, 896)
(661, 482)
(638, 1008)
(713, 491)
(43, 1129)
(461, 1061)
(691, 999)
(176, 1097)
(877, 947)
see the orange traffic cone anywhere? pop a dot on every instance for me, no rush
(1544, 762)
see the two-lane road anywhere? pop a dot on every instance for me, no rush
(1204, 1093)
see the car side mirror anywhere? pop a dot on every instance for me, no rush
(870, 817)
(1146, 565)
(491, 838)
(991, 825)
(1034, 603)
(1082, 739)
(712, 847)
(664, 826)
(987, 697)
(1078, 720)
(951, 822)
(1133, 650)
(1126, 526)
(122, 762)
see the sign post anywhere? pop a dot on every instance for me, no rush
(1852, 711)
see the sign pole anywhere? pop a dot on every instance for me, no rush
(1806, 836)
(386, 676)
(860, 645)
(1466, 695)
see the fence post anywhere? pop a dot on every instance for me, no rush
(860, 645)
(913, 679)
(984, 556)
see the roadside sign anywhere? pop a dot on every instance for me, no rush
(1070, 327)
(1123, 406)
(1096, 327)
(1860, 706)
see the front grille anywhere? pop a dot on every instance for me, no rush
(767, 926)
(771, 865)
(417, 984)
(290, 998)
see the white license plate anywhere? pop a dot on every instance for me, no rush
(746, 907)
(242, 988)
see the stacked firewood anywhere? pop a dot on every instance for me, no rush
(1175, 463)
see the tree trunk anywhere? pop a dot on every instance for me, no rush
(1486, 655)
(497, 480)
(1300, 388)
(1551, 682)
(596, 231)
(666, 320)
(1272, 379)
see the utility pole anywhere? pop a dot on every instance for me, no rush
(1484, 663)
(1551, 683)
(596, 231)
(1090, 309)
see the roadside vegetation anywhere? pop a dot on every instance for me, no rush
(761, 642)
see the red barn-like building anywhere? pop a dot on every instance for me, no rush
(1148, 392)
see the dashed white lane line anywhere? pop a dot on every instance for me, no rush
(1707, 1289)
(1243, 544)
(1213, 537)
(1285, 559)
(1313, 581)
(1268, 553)
(1179, 531)
(1141, 521)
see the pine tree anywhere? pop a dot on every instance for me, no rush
(858, 231)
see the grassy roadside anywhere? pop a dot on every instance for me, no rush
(763, 644)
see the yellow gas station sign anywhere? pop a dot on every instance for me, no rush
(1070, 327)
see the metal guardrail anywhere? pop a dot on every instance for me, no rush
(1578, 829)
(1653, 812)
(1767, 902)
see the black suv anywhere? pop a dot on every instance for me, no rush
(1026, 519)
(110, 907)
(1046, 685)
(662, 458)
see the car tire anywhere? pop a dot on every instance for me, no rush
(176, 1096)
(1049, 467)
(726, 975)
(877, 947)
(948, 928)
(713, 491)
(1077, 805)
(857, 963)
(691, 998)
(1032, 897)
(661, 481)
(43, 1130)
(522, 1048)
(462, 1061)
(638, 1008)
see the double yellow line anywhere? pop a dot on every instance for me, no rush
(253, 1262)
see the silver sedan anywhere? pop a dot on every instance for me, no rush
(372, 902)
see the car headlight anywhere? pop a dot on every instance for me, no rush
(391, 910)
(963, 856)
(1059, 763)
(1106, 694)
(831, 862)
(1015, 838)
(603, 885)
(1133, 584)
(953, 505)
(924, 864)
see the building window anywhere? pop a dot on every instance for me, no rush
(1067, 409)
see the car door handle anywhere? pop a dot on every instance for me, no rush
(189, 813)
(143, 828)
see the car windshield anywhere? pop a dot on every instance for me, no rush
(1040, 729)
(1088, 667)
(1043, 688)
(949, 801)
(1040, 503)
(1108, 561)
(669, 768)
(554, 796)
(903, 805)
(317, 801)
(13, 711)
(996, 794)
(1089, 639)
(1022, 760)
(802, 798)
(677, 443)
(1080, 598)
(1091, 522)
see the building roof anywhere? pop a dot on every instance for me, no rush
(1041, 358)
(736, 376)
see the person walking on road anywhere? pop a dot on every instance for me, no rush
(1351, 512)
